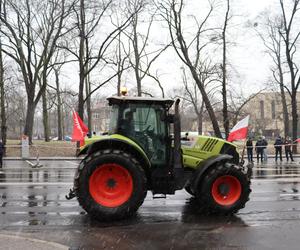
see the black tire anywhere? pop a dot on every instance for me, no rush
(103, 159)
(234, 197)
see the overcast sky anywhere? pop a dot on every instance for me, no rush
(247, 55)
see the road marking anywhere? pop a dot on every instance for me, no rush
(44, 168)
(277, 169)
(277, 180)
(72, 163)
(36, 183)
(277, 175)
(282, 195)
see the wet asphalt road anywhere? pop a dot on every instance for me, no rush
(33, 205)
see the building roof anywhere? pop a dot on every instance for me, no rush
(138, 99)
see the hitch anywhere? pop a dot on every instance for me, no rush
(71, 194)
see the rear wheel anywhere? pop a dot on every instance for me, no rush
(224, 190)
(111, 185)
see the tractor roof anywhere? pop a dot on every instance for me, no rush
(137, 99)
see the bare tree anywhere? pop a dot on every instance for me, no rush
(143, 58)
(89, 15)
(2, 91)
(192, 96)
(172, 13)
(2, 100)
(224, 71)
(290, 38)
(273, 42)
(31, 30)
(237, 104)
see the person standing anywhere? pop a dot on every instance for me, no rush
(288, 148)
(249, 145)
(265, 144)
(259, 149)
(1, 153)
(278, 148)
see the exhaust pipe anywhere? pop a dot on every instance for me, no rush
(177, 154)
(177, 137)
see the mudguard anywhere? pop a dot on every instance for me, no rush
(204, 166)
(117, 142)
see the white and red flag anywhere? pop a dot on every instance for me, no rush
(79, 128)
(240, 130)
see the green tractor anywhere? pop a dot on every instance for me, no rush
(143, 150)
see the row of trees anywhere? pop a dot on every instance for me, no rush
(109, 41)
(280, 33)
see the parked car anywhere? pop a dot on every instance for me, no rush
(68, 138)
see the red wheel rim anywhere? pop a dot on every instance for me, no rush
(226, 190)
(111, 185)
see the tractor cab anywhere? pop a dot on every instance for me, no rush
(146, 122)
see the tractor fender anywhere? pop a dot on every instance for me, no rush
(204, 166)
(116, 143)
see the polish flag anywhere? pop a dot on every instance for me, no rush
(79, 129)
(239, 131)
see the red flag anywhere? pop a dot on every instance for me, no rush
(297, 140)
(239, 131)
(79, 128)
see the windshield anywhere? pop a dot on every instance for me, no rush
(112, 129)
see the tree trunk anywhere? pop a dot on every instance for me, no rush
(120, 66)
(59, 106)
(88, 103)
(45, 117)
(2, 94)
(224, 83)
(136, 57)
(88, 90)
(294, 118)
(200, 119)
(81, 60)
(207, 103)
(284, 111)
(29, 118)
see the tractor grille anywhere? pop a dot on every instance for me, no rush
(209, 145)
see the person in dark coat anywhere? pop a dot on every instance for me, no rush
(278, 148)
(288, 148)
(259, 149)
(249, 145)
(1, 153)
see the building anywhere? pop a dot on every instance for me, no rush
(100, 117)
(266, 114)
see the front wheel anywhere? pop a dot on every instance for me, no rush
(224, 190)
(111, 185)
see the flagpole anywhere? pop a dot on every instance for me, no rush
(243, 152)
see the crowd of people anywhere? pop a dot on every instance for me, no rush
(260, 148)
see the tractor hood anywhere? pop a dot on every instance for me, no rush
(198, 148)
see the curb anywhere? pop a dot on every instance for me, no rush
(43, 158)
(25, 243)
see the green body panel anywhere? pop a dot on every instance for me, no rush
(89, 141)
(197, 149)
(200, 148)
